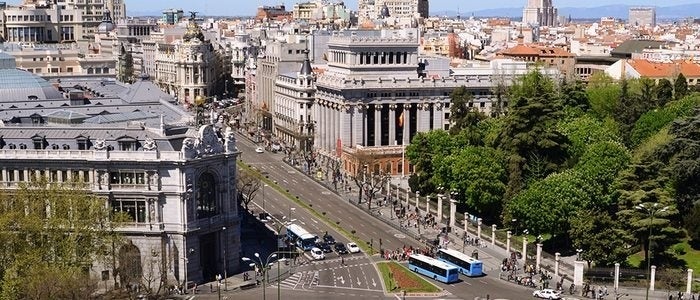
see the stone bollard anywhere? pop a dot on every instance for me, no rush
(557, 258)
(524, 250)
(493, 235)
(652, 278)
(539, 257)
(689, 282)
(616, 284)
(478, 228)
(508, 235)
(453, 212)
(439, 209)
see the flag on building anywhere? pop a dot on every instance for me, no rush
(401, 119)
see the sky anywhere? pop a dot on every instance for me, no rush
(247, 7)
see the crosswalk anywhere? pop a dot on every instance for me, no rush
(304, 280)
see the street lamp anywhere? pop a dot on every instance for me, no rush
(651, 211)
(279, 230)
(218, 280)
(258, 262)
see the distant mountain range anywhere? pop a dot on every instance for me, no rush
(616, 11)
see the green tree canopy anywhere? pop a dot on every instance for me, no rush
(680, 87)
(462, 114)
(601, 237)
(664, 91)
(533, 147)
(478, 175)
(62, 226)
(603, 94)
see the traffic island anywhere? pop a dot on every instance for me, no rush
(398, 279)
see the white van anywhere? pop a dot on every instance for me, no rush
(317, 254)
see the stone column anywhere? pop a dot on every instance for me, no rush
(437, 118)
(453, 212)
(689, 281)
(357, 130)
(417, 198)
(423, 121)
(538, 259)
(427, 205)
(407, 196)
(345, 126)
(439, 208)
(508, 235)
(392, 124)
(524, 250)
(616, 282)
(493, 235)
(557, 258)
(652, 278)
(478, 228)
(377, 125)
(406, 124)
(578, 273)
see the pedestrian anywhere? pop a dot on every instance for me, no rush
(342, 260)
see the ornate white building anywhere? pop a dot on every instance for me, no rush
(184, 68)
(130, 144)
(294, 97)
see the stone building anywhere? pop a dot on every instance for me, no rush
(132, 146)
(184, 68)
(372, 99)
(540, 13)
(294, 98)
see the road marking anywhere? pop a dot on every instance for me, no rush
(291, 172)
(326, 193)
(374, 284)
(484, 282)
(314, 221)
(342, 280)
(400, 236)
(358, 281)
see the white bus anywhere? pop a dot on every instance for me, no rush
(300, 237)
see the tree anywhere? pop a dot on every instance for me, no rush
(462, 116)
(692, 225)
(680, 87)
(585, 130)
(533, 147)
(682, 164)
(601, 237)
(603, 94)
(426, 149)
(478, 174)
(647, 94)
(57, 230)
(574, 95)
(546, 205)
(369, 178)
(664, 92)
(643, 183)
(248, 186)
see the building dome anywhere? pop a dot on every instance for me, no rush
(194, 32)
(107, 25)
(22, 85)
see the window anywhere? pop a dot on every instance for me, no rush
(127, 146)
(127, 177)
(66, 147)
(206, 196)
(133, 210)
(22, 146)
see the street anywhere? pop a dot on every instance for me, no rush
(359, 276)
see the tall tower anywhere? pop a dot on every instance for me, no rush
(540, 13)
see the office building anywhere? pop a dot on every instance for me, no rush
(642, 16)
(540, 13)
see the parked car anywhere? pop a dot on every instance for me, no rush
(328, 239)
(546, 294)
(259, 150)
(353, 248)
(324, 247)
(340, 248)
(317, 254)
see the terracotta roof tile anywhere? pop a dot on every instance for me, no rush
(665, 69)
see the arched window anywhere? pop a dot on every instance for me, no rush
(206, 196)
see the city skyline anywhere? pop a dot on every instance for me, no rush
(223, 7)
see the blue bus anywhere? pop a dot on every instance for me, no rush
(300, 237)
(432, 268)
(466, 264)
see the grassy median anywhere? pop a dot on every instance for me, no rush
(398, 278)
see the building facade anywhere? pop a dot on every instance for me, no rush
(642, 16)
(371, 100)
(184, 68)
(131, 146)
(540, 13)
(49, 22)
(294, 98)
(374, 9)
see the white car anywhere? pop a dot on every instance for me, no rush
(259, 150)
(352, 247)
(317, 254)
(546, 294)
